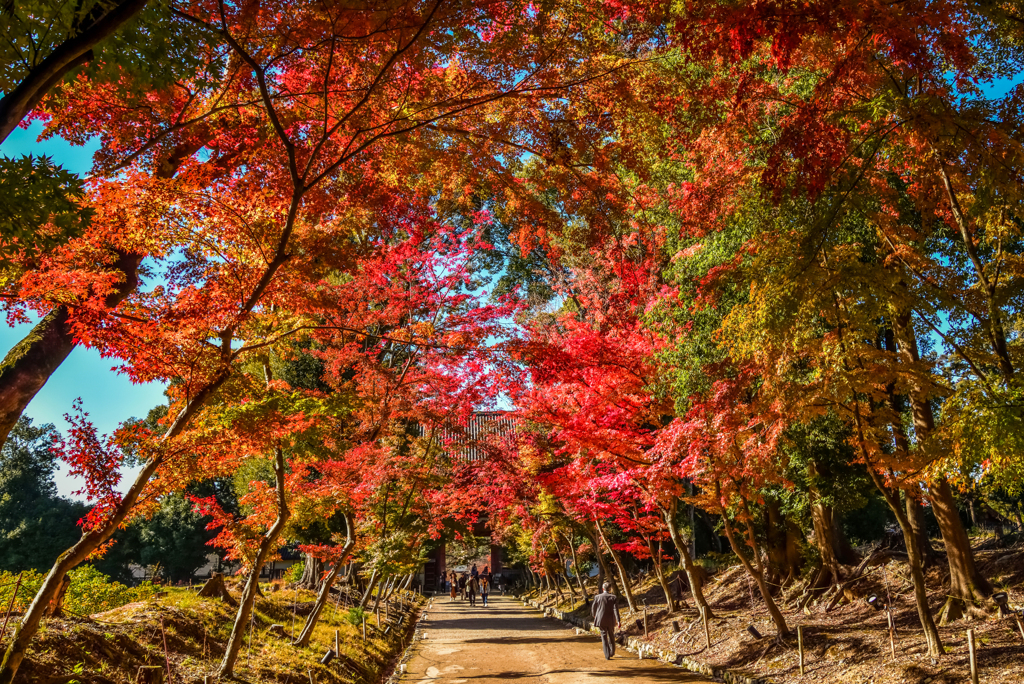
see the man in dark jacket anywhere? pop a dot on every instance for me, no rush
(605, 612)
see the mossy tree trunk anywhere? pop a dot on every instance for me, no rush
(267, 544)
(325, 588)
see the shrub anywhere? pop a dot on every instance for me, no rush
(90, 592)
(294, 573)
(355, 616)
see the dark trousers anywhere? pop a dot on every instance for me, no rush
(608, 641)
(472, 598)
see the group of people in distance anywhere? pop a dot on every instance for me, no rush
(470, 585)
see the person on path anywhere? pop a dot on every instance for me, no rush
(453, 589)
(462, 586)
(472, 587)
(605, 611)
(485, 589)
(474, 572)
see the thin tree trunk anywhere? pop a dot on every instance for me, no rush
(901, 445)
(370, 584)
(693, 572)
(380, 593)
(626, 588)
(987, 285)
(576, 571)
(915, 516)
(603, 573)
(325, 589)
(670, 601)
(93, 539)
(565, 572)
(755, 570)
(227, 664)
(968, 586)
(931, 632)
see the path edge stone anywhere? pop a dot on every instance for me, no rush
(635, 645)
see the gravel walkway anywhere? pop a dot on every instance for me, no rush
(507, 641)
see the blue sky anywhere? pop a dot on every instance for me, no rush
(109, 398)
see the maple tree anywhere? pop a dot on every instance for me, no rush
(736, 251)
(254, 260)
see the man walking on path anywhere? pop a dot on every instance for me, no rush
(471, 589)
(605, 611)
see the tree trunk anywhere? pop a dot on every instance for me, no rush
(968, 587)
(576, 571)
(227, 664)
(56, 607)
(71, 54)
(325, 589)
(755, 570)
(694, 574)
(370, 585)
(380, 593)
(31, 362)
(311, 573)
(782, 557)
(626, 588)
(655, 551)
(931, 632)
(565, 572)
(915, 517)
(915, 513)
(93, 539)
(603, 573)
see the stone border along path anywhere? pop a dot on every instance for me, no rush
(636, 645)
(456, 643)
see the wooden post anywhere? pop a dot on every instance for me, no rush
(800, 646)
(892, 633)
(364, 627)
(310, 674)
(974, 656)
(707, 633)
(10, 606)
(645, 621)
(1020, 625)
(150, 674)
(337, 642)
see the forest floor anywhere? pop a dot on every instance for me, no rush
(186, 635)
(850, 642)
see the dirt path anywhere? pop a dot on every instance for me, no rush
(507, 641)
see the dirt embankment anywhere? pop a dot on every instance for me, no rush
(847, 642)
(185, 634)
